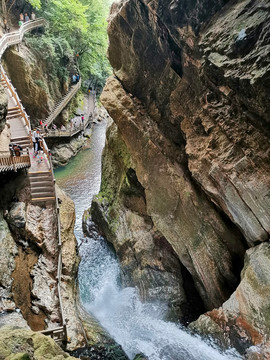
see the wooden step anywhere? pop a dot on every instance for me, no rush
(39, 190)
(40, 183)
(42, 199)
(43, 195)
(13, 108)
(40, 174)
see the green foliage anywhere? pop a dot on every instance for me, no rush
(76, 37)
(35, 3)
(41, 84)
(56, 52)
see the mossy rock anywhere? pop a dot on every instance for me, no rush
(19, 356)
(22, 344)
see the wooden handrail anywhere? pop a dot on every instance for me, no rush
(16, 98)
(9, 162)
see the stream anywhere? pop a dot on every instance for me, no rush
(138, 327)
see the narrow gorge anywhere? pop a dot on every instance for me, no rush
(163, 207)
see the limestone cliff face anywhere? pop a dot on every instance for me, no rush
(190, 99)
(37, 88)
(148, 261)
(29, 258)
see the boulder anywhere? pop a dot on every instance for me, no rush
(17, 215)
(21, 344)
(243, 320)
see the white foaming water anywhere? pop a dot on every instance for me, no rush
(137, 327)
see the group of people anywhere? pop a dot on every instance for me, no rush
(15, 149)
(25, 18)
(75, 78)
(73, 124)
(22, 19)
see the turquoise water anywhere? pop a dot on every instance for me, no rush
(82, 176)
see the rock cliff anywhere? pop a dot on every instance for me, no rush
(29, 258)
(38, 88)
(190, 99)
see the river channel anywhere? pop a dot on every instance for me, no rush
(137, 327)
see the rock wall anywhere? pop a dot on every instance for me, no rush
(190, 99)
(3, 109)
(38, 89)
(28, 234)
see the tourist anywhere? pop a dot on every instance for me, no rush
(26, 17)
(36, 138)
(6, 27)
(77, 78)
(82, 119)
(54, 127)
(21, 17)
(46, 129)
(15, 149)
(33, 16)
(73, 79)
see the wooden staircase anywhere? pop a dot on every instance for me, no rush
(23, 141)
(14, 112)
(42, 186)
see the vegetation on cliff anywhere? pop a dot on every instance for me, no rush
(75, 39)
(77, 33)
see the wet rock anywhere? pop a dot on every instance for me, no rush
(104, 352)
(147, 260)
(17, 215)
(243, 320)
(63, 153)
(8, 251)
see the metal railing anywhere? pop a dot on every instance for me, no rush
(63, 103)
(15, 37)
